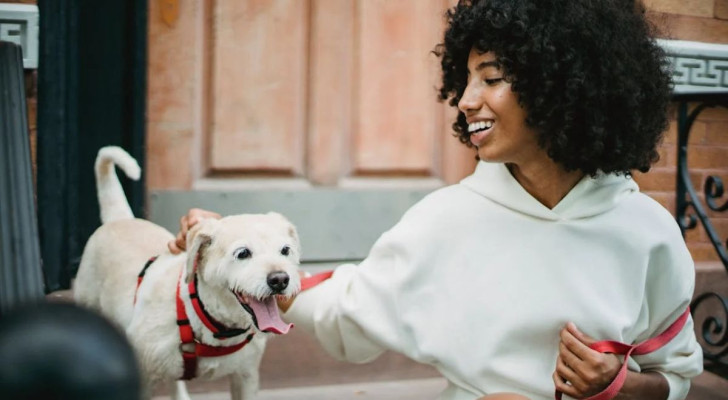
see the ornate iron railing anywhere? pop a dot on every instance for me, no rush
(700, 75)
(709, 308)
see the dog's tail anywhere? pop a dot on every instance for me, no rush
(112, 201)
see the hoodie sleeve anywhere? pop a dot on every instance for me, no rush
(355, 314)
(670, 285)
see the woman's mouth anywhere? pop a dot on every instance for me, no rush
(478, 131)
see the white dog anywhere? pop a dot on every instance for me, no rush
(201, 314)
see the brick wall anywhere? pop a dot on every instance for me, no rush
(702, 21)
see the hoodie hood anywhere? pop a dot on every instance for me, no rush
(591, 196)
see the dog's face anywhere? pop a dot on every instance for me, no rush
(252, 258)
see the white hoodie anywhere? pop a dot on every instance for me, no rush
(478, 278)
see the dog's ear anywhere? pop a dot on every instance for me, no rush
(199, 238)
(292, 232)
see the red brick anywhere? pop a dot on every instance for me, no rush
(666, 199)
(714, 113)
(721, 9)
(658, 180)
(670, 135)
(702, 251)
(702, 8)
(663, 180)
(697, 132)
(682, 27)
(707, 157)
(716, 132)
(668, 156)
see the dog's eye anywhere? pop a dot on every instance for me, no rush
(242, 253)
(285, 250)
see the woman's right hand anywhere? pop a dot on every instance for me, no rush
(193, 216)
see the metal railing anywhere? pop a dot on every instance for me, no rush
(709, 308)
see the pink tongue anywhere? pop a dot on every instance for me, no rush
(267, 315)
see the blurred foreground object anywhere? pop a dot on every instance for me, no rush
(61, 351)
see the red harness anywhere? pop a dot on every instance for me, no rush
(190, 347)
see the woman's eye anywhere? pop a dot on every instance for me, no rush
(242, 253)
(285, 250)
(491, 82)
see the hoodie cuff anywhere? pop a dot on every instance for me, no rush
(301, 312)
(679, 386)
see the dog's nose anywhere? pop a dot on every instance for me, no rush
(278, 281)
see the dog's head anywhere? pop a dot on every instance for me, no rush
(252, 257)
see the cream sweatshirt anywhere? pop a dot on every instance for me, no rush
(478, 278)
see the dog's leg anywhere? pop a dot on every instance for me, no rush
(244, 386)
(148, 386)
(179, 390)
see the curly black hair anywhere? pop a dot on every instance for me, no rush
(594, 83)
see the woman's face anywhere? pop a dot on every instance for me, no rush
(496, 122)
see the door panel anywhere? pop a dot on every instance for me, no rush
(258, 99)
(398, 119)
(300, 101)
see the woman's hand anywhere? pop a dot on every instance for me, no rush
(580, 371)
(193, 216)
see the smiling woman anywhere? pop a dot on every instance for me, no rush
(507, 282)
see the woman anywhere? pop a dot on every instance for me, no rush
(503, 281)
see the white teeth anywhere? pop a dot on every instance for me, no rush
(480, 125)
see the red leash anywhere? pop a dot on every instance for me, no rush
(313, 280)
(648, 346)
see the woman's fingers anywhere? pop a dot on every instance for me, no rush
(187, 221)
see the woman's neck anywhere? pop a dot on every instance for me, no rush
(547, 181)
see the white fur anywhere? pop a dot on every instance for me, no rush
(117, 251)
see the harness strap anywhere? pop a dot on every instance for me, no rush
(141, 275)
(648, 346)
(190, 348)
(219, 330)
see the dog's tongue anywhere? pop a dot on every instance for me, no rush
(266, 313)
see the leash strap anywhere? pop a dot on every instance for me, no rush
(313, 280)
(648, 346)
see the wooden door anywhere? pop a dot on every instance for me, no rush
(324, 110)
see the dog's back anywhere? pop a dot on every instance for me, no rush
(116, 252)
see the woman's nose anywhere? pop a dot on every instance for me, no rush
(470, 101)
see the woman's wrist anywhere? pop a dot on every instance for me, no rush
(647, 385)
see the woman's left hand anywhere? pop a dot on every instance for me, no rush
(580, 371)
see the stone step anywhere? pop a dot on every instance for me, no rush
(295, 363)
(415, 389)
(707, 386)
